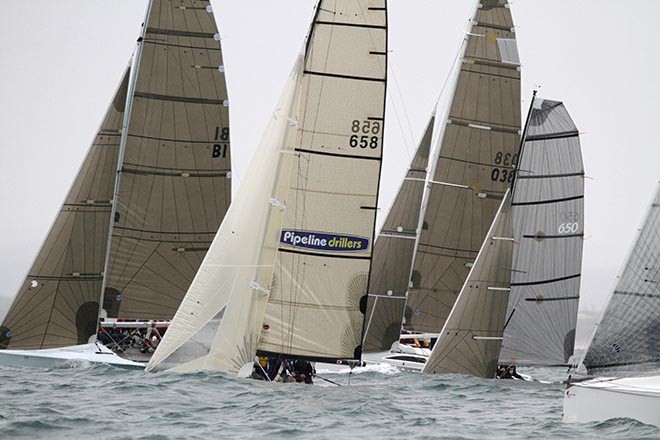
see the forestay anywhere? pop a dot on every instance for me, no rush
(393, 254)
(548, 224)
(57, 304)
(174, 186)
(318, 293)
(627, 333)
(470, 341)
(478, 149)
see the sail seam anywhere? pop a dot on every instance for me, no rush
(158, 31)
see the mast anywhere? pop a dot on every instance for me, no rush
(122, 149)
(522, 143)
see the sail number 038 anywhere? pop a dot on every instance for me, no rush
(365, 134)
(504, 174)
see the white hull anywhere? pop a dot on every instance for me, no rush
(608, 398)
(64, 357)
(402, 361)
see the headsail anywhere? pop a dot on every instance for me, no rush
(57, 304)
(318, 293)
(473, 169)
(175, 185)
(471, 338)
(548, 224)
(219, 320)
(627, 333)
(393, 254)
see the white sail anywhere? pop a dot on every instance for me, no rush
(318, 300)
(218, 322)
(471, 339)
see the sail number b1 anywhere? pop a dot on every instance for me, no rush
(365, 134)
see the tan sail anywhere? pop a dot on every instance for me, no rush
(175, 174)
(393, 254)
(474, 167)
(470, 341)
(57, 304)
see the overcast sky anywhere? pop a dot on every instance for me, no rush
(62, 60)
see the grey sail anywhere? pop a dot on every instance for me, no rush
(470, 341)
(474, 167)
(57, 304)
(318, 293)
(393, 254)
(626, 336)
(548, 224)
(174, 186)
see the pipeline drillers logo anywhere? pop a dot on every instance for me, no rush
(323, 241)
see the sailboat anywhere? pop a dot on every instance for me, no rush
(548, 227)
(393, 256)
(519, 263)
(472, 168)
(145, 204)
(287, 274)
(419, 272)
(625, 346)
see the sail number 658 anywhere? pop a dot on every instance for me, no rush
(365, 134)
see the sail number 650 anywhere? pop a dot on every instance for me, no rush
(365, 134)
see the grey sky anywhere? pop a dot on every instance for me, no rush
(598, 56)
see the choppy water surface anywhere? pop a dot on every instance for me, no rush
(104, 402)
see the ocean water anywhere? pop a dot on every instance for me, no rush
(99, 402)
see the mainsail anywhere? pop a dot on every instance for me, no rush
(307, 209)
(548, 224)
(474, 167)
(318, 293)
(159, 168)
(174, 186)
(470, 341)
(57, 304)
(626, 335)
(393, 254)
